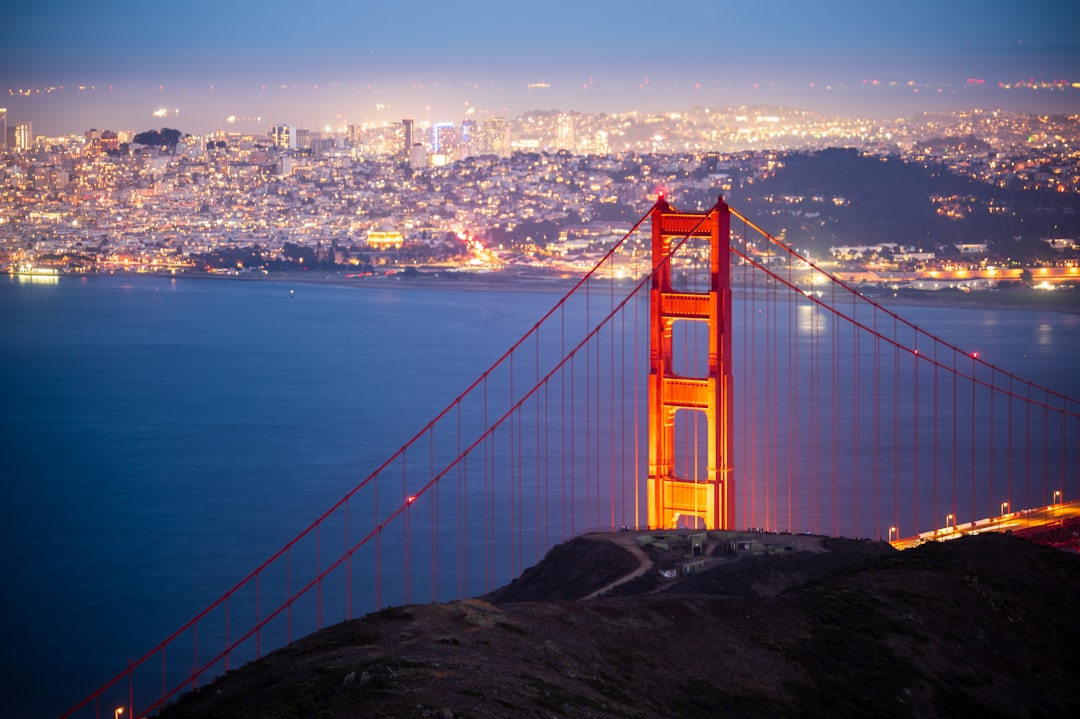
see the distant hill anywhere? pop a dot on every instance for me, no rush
(840, 197)
(979, 626)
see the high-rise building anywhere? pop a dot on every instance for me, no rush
(354, 135)
(281, 136)
(418, 157)
(24, 137)
(468, 138)
(495, 137)
(3, 137)
(565, 133)
(443, 138)
(407, 124)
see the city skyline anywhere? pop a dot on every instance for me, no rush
(67, 67)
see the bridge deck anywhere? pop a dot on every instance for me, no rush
(1064, 516)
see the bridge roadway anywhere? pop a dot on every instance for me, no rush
(1063, 516)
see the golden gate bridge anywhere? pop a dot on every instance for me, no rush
(733, 384)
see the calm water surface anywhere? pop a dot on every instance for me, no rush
(160, 438)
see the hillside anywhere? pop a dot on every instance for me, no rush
(981, 626)
(841, 197)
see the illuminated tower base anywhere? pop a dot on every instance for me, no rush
(711, 498)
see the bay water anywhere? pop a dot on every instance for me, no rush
(161, 437)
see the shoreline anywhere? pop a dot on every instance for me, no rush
(1063, 301)
(1006, 299)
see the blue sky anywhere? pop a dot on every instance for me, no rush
(434, 57)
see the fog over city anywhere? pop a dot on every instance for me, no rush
(200, 67)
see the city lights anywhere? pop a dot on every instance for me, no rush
(386, 194)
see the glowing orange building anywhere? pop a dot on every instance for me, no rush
(712, 497)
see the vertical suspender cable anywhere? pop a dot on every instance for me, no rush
(916, 458)
(378, 548)
(815, 422)
(974, 516)
(436, 569)
(856, 399)
(793, 393)
(835, 407)
(573, 492)
(348, 571)
(1027, 447)
(541, 457)
(876, 408)
(1046, 447)
(611, 410)
(514, 467)
(992, 449)
(934, 451)
(637, 413)
(752, 396)
(489, 441)
(896, 432)
(462, 524)
(562, 427)
(588, 418)
(747, 418)
(955, 448)
(1009, 455)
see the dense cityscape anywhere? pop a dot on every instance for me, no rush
(546, 190)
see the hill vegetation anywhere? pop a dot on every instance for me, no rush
(165, 137)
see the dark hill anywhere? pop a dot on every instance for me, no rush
(571, 570)
(982, 626)
(841, 197)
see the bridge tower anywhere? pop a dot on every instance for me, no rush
(711, 498)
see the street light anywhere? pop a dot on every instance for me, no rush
(892, 531)
(1057, 496)
(949, 521)
(1004, 506)
(118, 712)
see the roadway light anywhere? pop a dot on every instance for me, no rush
(118, 712)
(892, 531)
(1004, 506)
(1057, 496)
(949, 521)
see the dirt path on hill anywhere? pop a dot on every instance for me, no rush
(628, 542)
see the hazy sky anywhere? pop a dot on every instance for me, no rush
(327, 61)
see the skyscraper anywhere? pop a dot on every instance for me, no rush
(443, 137)
(407, 123)
(468, 138)
(565, 132)
(24, 137)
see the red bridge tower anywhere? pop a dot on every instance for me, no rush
(711, 498)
